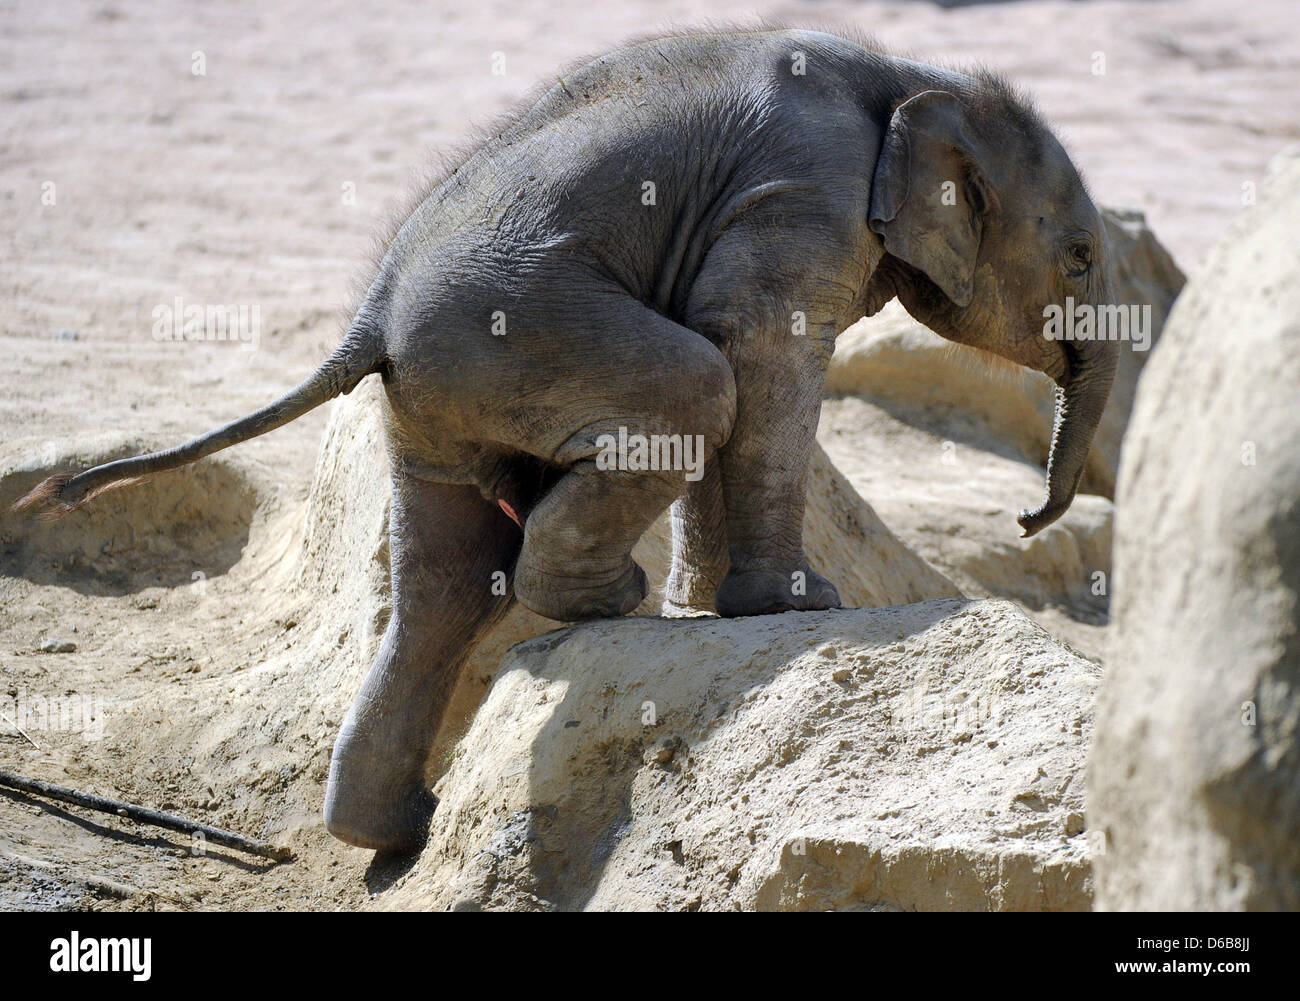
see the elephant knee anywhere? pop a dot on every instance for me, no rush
(705, 398)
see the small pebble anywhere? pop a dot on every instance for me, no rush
(666, 750)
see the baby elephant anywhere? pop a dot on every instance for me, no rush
(627, 299)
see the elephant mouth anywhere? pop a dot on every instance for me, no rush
(1069, 364)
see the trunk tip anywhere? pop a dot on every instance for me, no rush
(1033, 522)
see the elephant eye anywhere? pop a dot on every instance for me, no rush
(1080, 258)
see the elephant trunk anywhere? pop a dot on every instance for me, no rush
(1079, 405)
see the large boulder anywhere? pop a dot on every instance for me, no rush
(919, 757)
(1195, 776)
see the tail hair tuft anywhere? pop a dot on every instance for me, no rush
(47, 500)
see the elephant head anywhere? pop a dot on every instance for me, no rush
(989, 225)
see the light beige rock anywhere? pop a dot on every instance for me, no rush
(1195, 777)
(925, 756)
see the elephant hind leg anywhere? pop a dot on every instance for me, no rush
(662, 402)
(452, 554)
(577, 561)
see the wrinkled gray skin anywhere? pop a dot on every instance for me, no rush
(776, 193)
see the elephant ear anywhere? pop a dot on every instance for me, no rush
(930, 193)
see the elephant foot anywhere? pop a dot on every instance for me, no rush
(573, 599)
(366, 809)
(394, 827)
(765, 592)
(689, 593)
(676, 610)
(398, 825)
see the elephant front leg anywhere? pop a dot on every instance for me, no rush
(764, 471)
(777, 287)
(699, 539)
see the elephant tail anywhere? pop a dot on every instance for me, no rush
(360, 353)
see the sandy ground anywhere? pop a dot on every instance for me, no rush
(127, 180)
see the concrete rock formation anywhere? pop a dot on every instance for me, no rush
(924, 756)
(1195, 776)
